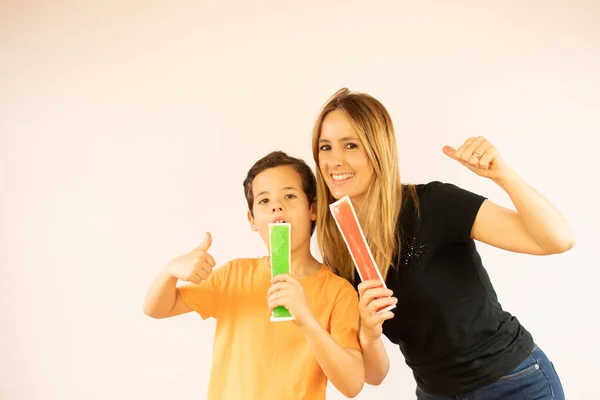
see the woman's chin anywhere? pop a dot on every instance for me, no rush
(338, 194)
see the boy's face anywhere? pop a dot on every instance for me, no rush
(278, 196)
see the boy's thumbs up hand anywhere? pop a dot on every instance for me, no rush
(194, 266)
(205, 243)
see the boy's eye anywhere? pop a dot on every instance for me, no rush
(290, 196)
(263, 201)
(325, 147)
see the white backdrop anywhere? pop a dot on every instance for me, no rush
(126, 129)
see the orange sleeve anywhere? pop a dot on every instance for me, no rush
(203, 298)
(345, 317)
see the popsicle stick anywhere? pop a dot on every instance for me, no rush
(354, 237)
(280, 249)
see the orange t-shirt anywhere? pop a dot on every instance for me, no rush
(254, 358)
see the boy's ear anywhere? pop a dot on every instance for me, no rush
(252, 222)
(313, 211)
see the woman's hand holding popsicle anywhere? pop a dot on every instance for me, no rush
(286, 291)
(373, 297)
(194, 266)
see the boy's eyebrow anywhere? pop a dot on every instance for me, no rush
(285, 188)
(261, 193)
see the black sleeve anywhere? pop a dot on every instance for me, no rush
(453, 210)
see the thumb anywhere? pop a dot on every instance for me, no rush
(449, 151)
(205, 243)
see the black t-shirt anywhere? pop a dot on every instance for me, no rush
(448, 322)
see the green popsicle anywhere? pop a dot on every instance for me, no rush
(279, 244)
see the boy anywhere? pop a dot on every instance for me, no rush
(254, 358)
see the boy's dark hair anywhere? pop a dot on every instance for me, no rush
(278, 159)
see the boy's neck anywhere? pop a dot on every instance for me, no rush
(304, 264)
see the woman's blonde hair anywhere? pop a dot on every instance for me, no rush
(380, 212)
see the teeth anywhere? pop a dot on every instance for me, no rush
(341, 177)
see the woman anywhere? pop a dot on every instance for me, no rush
(448, 322)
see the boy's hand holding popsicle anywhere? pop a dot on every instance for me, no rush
(286, 291)
(194, 266)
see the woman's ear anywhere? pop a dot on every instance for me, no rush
(313, 211)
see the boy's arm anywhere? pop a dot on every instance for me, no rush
(165, 300)
(342, 365)
(338, 353)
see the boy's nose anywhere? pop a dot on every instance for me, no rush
(277, 208)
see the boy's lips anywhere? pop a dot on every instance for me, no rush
(278, 220)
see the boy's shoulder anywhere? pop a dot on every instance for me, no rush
(246, 263)
(334, 281)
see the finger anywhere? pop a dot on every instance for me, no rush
(462, 147)
(194, 278)
(279, 286)
(203, 274)
(370, 284)
(478, 152)
(470, 148)
(204, 267)
(280, 299)
(371, 294)
(449, 151)
(205, 243)
(381, 303)
(376, 319)
(279, 294)
(376, 306)
(274, 296)
(209, 259)
(488, 155)
(284, 278)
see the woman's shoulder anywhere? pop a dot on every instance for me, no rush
(414, 194)
(426, 186)
(435, 190)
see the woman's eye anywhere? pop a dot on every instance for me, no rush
(325, 147)
(351, 146)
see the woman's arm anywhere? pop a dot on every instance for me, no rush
(375, 358)
(536, 227)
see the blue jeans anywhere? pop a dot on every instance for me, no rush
(535, 378)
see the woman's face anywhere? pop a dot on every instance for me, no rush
(343, 160)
